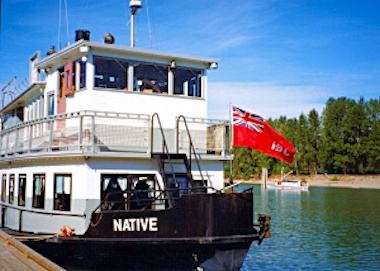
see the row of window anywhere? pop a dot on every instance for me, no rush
(113, 73)
(62, 190)
(148, 77)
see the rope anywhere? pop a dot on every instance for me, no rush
(231, 186)
(97, 222)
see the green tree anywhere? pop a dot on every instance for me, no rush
(302, 135)
(355, 128)
(334, 157)
(372, 108)
(344, 139)
(243, 165)
(313, 159)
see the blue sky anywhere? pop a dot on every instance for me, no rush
(275, 57)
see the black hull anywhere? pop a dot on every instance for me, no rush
(211, 231)
(123, 256)
(193, 216)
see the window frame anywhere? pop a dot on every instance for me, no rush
(38, 201)
(4, 188)
(148, 76)
(21, 189)
(151, 77)
(51, 104)
(11, 188)
(107, 76)
(188, 82)
(80, 73)
(62, 201)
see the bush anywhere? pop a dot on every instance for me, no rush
(334, 179)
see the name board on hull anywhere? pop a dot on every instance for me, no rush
(136, 224)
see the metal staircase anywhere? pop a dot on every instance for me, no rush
(174, 165)
(175, 168)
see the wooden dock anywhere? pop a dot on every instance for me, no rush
(15, 256)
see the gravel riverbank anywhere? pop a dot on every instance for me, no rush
(330, 180)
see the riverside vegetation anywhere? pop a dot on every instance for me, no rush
(344, 139)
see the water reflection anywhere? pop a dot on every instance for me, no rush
(323, 229)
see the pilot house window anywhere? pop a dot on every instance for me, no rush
(148, 77)
(187, 82)
(110, 72)
(151, 78)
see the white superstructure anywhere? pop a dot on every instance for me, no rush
(96, 112)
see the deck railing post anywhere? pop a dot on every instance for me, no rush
(80, 135)
(1, 143)
(29, 133)
(50, 125)
(92, 138)
(7, 144)
(16, 140)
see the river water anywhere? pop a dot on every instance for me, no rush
(319, 229)
(322, 229)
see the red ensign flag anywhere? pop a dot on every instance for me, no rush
(252, 131)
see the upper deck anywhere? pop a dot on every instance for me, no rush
(107, 77)
(107, 94)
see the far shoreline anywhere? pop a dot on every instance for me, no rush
(327, 180)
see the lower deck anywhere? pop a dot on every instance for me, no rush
(135, 205)
(70, 189)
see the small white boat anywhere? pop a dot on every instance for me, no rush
(284, 184)
(289, 185)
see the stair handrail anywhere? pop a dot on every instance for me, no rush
(165, 148)
(191, 144)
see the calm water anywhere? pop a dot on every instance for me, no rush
(322, 229)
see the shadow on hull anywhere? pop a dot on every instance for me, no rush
(179, 257)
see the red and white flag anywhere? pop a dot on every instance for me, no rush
(252, 131)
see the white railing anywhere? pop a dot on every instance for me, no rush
(208, 136)
(96, 132)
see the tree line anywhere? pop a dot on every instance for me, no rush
(344, 139)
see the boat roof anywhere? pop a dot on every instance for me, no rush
(30, 92)
(82, 47)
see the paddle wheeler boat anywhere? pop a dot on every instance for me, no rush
(109, 152)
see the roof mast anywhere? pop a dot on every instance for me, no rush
(135, 5)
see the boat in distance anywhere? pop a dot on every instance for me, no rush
(285, 184)
(109, 152)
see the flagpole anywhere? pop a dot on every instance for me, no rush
(231, 135)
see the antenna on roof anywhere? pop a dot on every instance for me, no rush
(135, 5)
(59, 22)
(0, 16)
